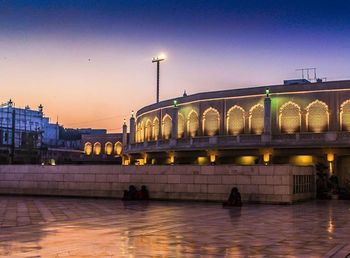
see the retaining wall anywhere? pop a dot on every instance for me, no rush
(265, 184)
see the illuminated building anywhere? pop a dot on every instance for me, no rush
(299, 122)
(102, 148)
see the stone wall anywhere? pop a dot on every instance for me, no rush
(265, 184)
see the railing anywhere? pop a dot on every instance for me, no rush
(243, 140)
(303, 184)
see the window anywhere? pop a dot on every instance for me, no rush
(290, 118)
(317, 117)
(256, 119)
(235, 120)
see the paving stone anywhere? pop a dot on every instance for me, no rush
(86, 227)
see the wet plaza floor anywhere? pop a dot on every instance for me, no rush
(84, 227)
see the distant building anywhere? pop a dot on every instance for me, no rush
(25, 127)
(103, 148)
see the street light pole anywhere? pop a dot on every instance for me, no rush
(157, 60)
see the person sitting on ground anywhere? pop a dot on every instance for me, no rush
(131, 194)
(143, 194)
(234, 198)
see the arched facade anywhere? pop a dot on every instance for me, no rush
(97, 148)
(345, 116)
(289, 118)
(118, 148)
(256, 119)
(211, 122)
(235, 120)
(192, 124)
(108, 148)
(148, 130)
(155, 129)
(317, 117)
(88, 148)
(181, 124)
(166, 127)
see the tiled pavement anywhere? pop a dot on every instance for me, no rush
(66, 227)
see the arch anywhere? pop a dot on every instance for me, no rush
(155, 129)
(192, 123)
(181, 123)
(108, 148)
(118, 148)
(166, 127)
(97, 148)
(345, 115)
(256, 119)
(148, 130)
(211, 122)
(88, 148)
(138, 132)
(289, 118)
(317, 116)
(142, 132)
(235, 120)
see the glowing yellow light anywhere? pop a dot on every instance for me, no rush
(301, 160)
(140, 162)
(330, 157)
(202, 160)
(246, 160)
(108, 148)
(97, 148)
(266, 157)
(212, 158)
(145, 159)
(172, 159)
(118, 148)
(126, 162)
(88, 148)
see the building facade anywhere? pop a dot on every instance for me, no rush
(24, 131)
(103, 148)
(299, 123)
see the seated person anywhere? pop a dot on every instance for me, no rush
(234, 198)
(131, 194)
(143, 194)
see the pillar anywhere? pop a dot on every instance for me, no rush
(267, 115)
(174, 120)
(303, 121)
(125, 134)
(246, 123)
(132, 129)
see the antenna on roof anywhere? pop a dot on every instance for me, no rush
(305, 72)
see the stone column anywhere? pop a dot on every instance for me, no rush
(266, 137)
(246, 122)
(200, 121)
(125, 134)
(303, 127)
(334, 113)
(174, 120)
(223, 130)
(132, 129)
(267, 115)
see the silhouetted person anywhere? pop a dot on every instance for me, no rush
(234, 198)
(131, 194)
(143, 194)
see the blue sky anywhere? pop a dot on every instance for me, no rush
(211, 45)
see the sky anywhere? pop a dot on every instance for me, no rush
(89, 62)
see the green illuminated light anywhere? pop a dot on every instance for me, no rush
(267, 92)
(175, 103)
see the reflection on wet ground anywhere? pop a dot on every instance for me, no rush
(54, 226)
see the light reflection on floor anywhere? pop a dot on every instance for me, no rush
(45, 226)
